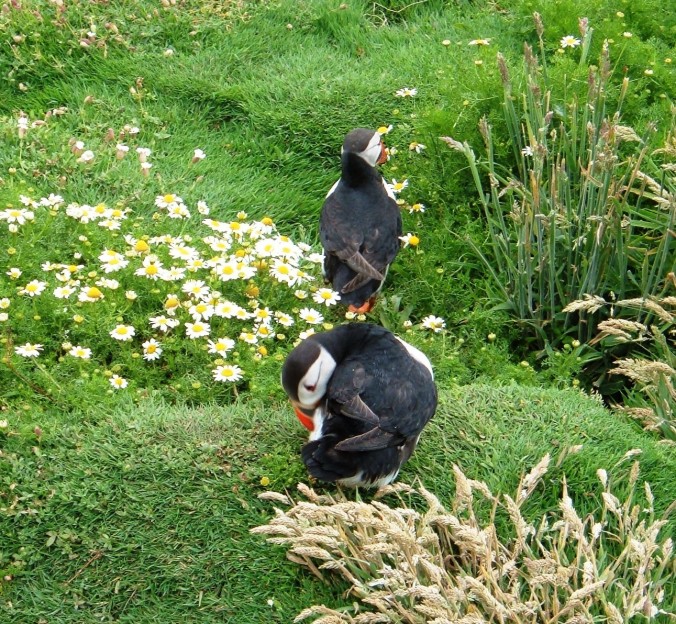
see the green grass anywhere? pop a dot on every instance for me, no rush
(144, 515)
(129, 509)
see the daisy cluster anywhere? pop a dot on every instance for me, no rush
(240, 283)
(158, 291)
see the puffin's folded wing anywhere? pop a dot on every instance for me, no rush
(413, 407)
(357, 409)
(372, 440)
(354, 259)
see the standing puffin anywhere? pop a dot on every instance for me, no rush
(365, 395)
(360, 223)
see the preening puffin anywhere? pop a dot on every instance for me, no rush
(365, 395)
(360, 224)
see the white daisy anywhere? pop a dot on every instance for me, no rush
(63, 292)
(406, 92)
(326, 296)
(151, 350)
(33, 288)
(226, 309)
(163, 323)
(201, 310)
(163, 201)
(220, 346)
(118, 382)
(311, 316)
(123, 333)
(28, 350)
(316, 258)
(197, 329)
(434, 323)
(196, 289)
(227, 372)
(83, 353)
(14, 273)
(569, 42)
(248, 337)
(397, 187)
(284, 319)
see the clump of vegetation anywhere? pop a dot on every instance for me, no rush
(653, 399)
(446, 565)
(586, 217)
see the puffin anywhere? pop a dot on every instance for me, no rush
(360, 223)
(365, 395)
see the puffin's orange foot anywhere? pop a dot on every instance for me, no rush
(365, 307)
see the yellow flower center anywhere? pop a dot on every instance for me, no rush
(240, 253)
(100, 208)
(152, 269)
(151, 348)
(169, 198)
(141, 245)
(413, 241)
(267, 221)
(31, 287)
(172, 302)
(94, 293)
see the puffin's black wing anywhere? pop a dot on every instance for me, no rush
(345, 237)
(389, 402)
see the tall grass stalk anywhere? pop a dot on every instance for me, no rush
(586, 211)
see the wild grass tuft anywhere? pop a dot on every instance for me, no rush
(445, 565)
(589, 210)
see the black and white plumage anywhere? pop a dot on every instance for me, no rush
(365, 395)
(360, 224)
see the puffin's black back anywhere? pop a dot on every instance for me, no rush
(398, 388)
(359, 214)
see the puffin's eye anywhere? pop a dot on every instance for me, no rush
(309, 388)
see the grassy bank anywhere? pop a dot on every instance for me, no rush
(145, 516)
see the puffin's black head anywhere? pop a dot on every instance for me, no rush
(305, 376)
(367, 144)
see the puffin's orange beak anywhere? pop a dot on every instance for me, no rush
(383, 155)
(305, 420)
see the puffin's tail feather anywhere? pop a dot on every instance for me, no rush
(325, 463)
